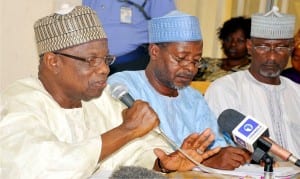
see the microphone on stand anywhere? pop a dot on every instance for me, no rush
(252, 135)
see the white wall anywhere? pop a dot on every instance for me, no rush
(1, 45)
(18, 53)
(18, 50)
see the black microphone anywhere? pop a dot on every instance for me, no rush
(135, 172)
(251, 134)
(120, 92)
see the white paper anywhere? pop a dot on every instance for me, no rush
(255, 171)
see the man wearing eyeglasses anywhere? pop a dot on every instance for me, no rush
(175, 51)
(65, 124)
(260, 91)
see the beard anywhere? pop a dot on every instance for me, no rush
(270, 70)
(270, 74)
(183, 84)
(179, 87)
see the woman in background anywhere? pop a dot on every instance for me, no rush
(233, 36)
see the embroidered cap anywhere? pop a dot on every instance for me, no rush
(174, 27)
(272, 25)
(67, 28)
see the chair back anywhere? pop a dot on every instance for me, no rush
(200, 85)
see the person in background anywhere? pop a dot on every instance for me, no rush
(65, 123)
(260, 91)
(125, 22)
(233, 36)
(293, 73)
(174, 60)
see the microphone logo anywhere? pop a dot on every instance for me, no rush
(247, 132)
(248, 127)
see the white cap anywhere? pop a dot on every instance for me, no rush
(273, 25)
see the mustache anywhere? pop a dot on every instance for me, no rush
(186, 74)
(271, 62)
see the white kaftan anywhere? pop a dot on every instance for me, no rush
(39, 139)
(277, 106)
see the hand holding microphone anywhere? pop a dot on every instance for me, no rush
(139, 117)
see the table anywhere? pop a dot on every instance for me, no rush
(202, 175)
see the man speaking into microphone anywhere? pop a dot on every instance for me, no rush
(260, 91)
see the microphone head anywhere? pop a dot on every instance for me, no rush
(229, 119)
(118, 90)
(135, 172)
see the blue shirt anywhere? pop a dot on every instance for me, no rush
(126, 37)
(179, 116)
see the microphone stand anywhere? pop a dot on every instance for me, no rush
(261, 155)
(268, 168)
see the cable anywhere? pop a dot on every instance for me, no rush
(173, 144)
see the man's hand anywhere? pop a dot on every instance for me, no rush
(194, 145)
(140, 118)
(228, 158)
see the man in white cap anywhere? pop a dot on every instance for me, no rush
(65, 124)
(175, 50)
(260, 91)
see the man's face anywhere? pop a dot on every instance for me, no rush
(269, 57)
(234, 46)
(77, 79)
(176, 63)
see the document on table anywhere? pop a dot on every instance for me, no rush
(255, 171)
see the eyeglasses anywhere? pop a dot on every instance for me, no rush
(92, 61)
(182, 62)
(279, 49)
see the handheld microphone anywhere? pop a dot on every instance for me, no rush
(252, 135)
(120, 92)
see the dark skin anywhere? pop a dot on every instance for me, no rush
(266, 67)
(167, 76)
(228, 158)
(71, 81)
(174, 161)
(235, 49)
